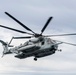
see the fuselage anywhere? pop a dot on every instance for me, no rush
(38, 47)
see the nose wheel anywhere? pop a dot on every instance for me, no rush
(35, 59)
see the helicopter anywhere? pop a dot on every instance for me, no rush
(38, 45)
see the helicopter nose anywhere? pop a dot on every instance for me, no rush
(55, 47)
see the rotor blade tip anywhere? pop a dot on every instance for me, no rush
(51, 17)
(5, 12)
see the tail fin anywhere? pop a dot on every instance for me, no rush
(5, 47)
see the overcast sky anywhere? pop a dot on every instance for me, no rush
(34, 14)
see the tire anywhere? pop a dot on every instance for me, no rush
(35, 59)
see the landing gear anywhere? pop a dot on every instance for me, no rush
(60, 50)
(35, 59)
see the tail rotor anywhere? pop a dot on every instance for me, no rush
(5, 47)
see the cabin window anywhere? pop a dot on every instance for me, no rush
(42, 43)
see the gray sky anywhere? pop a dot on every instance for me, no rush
(34, 14)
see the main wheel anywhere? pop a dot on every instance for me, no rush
(35, 59)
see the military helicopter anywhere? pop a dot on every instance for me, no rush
(40, 46)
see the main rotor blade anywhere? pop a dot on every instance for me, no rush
(19, 38)
(66, 43)
(22, 37)
(48, 21)
(60, 35)
(19, 22)
(15, 30)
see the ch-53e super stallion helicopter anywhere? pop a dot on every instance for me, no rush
(39, 46)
